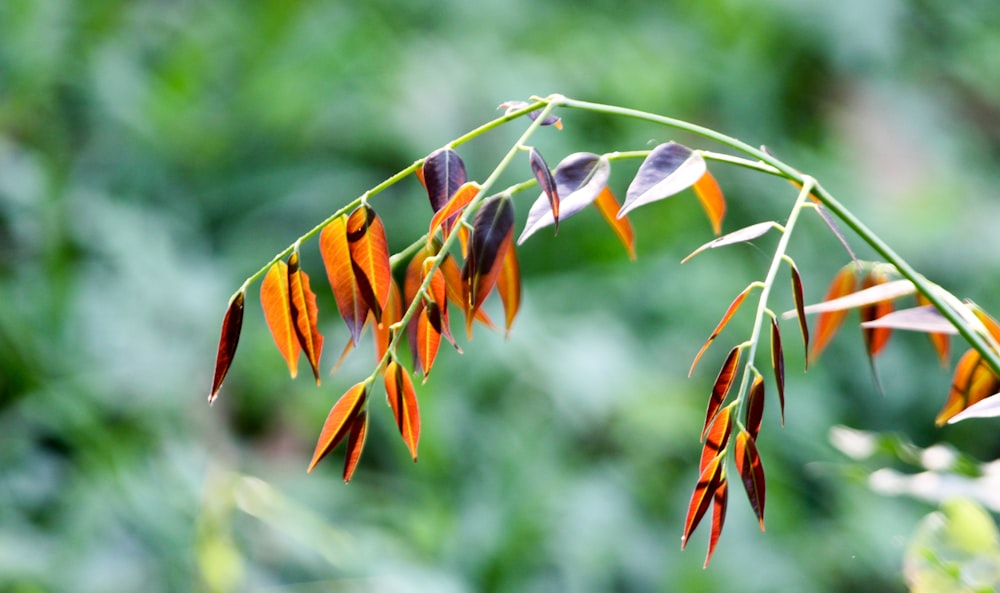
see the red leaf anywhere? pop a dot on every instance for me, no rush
(827, 323)
(453, 208)
(437, 303)
(443, 172)
(355, 443)
(733, 307)
(492, 232)
(392, 314)
(340, 421)
(275, 299)
(545, 181)
(755, 407)
(232, 323)
(304, 314)
(752, 473)
(403, 401)
(778, 363)
(800, 309)
(708, 482)
(370, 258)
(720, 500)
(608, 207)
(717, 437)
(721, 388)
(509, 286)
(456, 288)
(428, 340)
(669, 169)
(973, 381)
(875, 337)
(580, 178)
(743, 235)
(714, 203)
(334, 249)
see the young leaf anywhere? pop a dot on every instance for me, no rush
(669, 168)
(370, 258)
(355, 443)
(509, 286)
(580, 178)
(443, 172)
(304, 314)
(275, 300)
(428, 339)
(755, 407)
(717, 438)
(751, 472)
(708, 482)
(721, 387)
(336, 253)
(403, 401)
(492, 233)
(550, 120)
(232, 323)
(733, 307)
(799, 309)
(339, 422)
(743, 235)
(875, 337)
(972, 382)
(546, 182)
(608, 206)
(778, 363)
(453, 208)
(392, 314)
(714, 203)
(720, 500)
(844, 282)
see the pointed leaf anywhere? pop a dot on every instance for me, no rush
(339, 422)
(925, 319)
(720, 500)
(334, 249)
(827, 324)
(580, 178)
(545, 181)
(939, 337)
(714, 203)
(492, 230)
(453, 208)
(708, 482)
(443, 172)
(232, 323)
(275, 299)
(370, 258)
(428, 340)
(755, 407)
(509, 285)
(875, 337)
(355, 443)
(879, 292)
(403, 401)
(984, 408)
(608, 206)
(751, 472)
(778, 363)
(456, 288)
(304, 314)
(799, 309)
(393, 314)
(835, 229)
(743, 235)
(733, 307)
(972, 382)
(717, 438)
(721, 387)
(437, 307)
(669, 168)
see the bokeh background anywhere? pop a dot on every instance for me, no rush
(153, 154)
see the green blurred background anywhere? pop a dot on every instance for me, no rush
(153, 154)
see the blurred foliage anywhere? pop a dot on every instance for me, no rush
(153, 154)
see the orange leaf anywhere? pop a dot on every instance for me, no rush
(720, 500)
(972, 382)
(844, 283)
(721, 388)
(437, 304)
(755, 407)
(712, 200)
(708, 482)
(940, 341)
(455, 205)
(340, 272)
(304, 314)
(717, 438)
(275, 300)
(492, 235)
(456, 288)
(392, 314)
(608, 206)
(428, 340)
(403, 401)
(232, 323)
(355, 443)
(733, 307)
(370, 257)
(800, 308)
(340, 421)
(509, 286)
(778, 363)
(752, 473)
(875, 337)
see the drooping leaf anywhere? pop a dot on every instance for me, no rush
(755, 407)
(275, 299)
(456, 288)
(718, 437)
(751, 473)
(778, 363)
(721, 387)
(712, 200)
(339, 422)
(370, 257)
(972, 382)
(509, 286)
(580, 178)
(827, 324)
(743, 235)
(939, 338)
(427, 342)
(608, 206)
(879, 292)
(393, 314)
(720, 500)
(304, 314)
(799, 309)
(708, 482)
(336, 255)
(403, 401)
(875, 337)
(545, 181)
(232, 323)
(437, 303)
(355, 443)
(925, 319)
(461, 198)
(988, 407)
(443, 172)
(733, 307)
(669, 169)
(492, 233)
